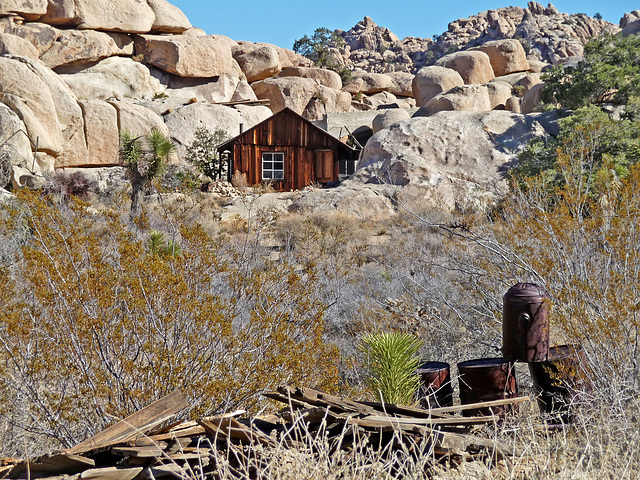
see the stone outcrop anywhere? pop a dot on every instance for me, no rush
(13, 143)
(258, 64)
(114, 77)
(506, 56)
(433, 80)
(374, 82)
(102, 132)
(630, 23)
(168, 18)
(545, 34)
(85, 46)
(474, 67)
(184, 121)
(388, 118)
(31, 9)
(206, 56)
(499, 92)
(15, 45)
(322, 76)
(291, 92)
(133, 16)
(455, 155)
(468, 98)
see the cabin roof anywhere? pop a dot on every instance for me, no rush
(283, 112)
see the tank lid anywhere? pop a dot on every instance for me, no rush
(526, 290)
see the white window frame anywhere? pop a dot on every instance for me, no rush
(271, 160)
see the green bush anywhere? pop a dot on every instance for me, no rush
(317, 48)
(610, 71)
(203, 153)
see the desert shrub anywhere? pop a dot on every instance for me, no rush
(95, 326)
(591, 137)
(582, 248)
(65, 185)
(203, 153)
(609, 71)
(239, 180)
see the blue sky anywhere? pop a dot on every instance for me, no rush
(280, 22)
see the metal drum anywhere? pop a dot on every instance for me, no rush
(484, 380)
(559, 379)
(435, 390)
(525, 323)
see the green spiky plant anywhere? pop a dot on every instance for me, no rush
(392, 363)
(144, 162)
(158, 245)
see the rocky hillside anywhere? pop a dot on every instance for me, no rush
(76, 74)
(546, 34)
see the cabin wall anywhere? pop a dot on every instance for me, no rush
(298, 140)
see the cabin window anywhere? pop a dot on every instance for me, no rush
(272, 166)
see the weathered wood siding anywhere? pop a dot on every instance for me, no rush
(300, 141)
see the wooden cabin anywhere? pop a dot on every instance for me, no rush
(289, 152)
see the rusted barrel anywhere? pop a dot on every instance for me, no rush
(525, 323)
(436, 390)
(558, 380)
(484, 380)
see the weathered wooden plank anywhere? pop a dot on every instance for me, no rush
(318, 398)
(111, 473)
(376, 420)
(231, 428)
(137, 424)
(392, 408)
(149, 451)
(49, 465)
(470, 406)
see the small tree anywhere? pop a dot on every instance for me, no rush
(317, 48)
(203, 153)
(145, 159)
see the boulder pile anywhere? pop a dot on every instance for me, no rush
(547, 35)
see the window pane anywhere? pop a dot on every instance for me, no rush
(267, 165)
(278, 165)
(267, 157)
(266, 174)
(278, 174)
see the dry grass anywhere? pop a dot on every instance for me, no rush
(601, 443)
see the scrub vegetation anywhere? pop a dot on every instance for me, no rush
(102, 313)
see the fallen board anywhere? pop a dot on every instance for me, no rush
(135, 425)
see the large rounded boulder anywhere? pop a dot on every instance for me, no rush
(465, 151)
(431, 81)
(474, 67)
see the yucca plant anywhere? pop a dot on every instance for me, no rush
(144, 161)
(158, 245)
(392, 363)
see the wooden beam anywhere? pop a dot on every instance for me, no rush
(135, 425)
(471, 406)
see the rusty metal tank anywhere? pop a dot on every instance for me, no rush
(487, 379)
(435, 389)
(559, 379)
(525, 323)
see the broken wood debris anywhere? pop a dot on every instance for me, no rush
(132, 450)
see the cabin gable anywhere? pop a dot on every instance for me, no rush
(287, 151)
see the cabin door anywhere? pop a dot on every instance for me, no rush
(324, 166)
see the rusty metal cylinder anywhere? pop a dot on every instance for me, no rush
(559, 379)
(484, 380)
(435, 389)
(525, 323)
